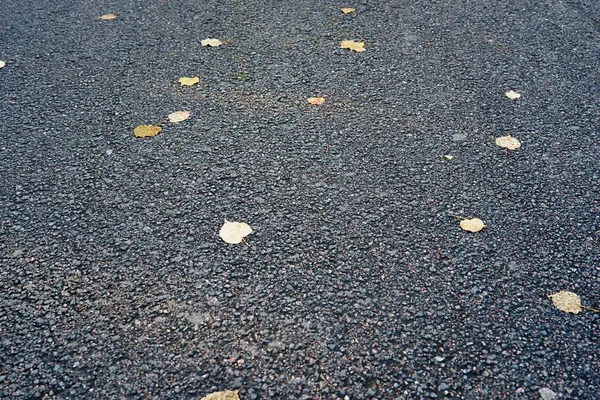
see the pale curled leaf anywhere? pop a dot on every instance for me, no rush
(187, 81)
(2, 64)
(224, 395)
(353, 45)
(234, 232)
(146, 130)
(348, 10)
(472, 225)
(511, 94)
(547, 393)
(179, 116)
(566, 301)
(107, 17)
(508, 142)
(211, 42)
(316, 101)
(448, 157)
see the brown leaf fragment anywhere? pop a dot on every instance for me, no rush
(353, 45)
(107, 17)
(224, 395)
(2, 64)
(348, 10)
(146, 130)
(566, 301)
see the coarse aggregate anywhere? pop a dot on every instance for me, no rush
(356, 283)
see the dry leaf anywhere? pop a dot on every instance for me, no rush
(511, 94)
(2, 64)
(348, 10)
(352, 45)
(508, 142)
(317, 101)
(547, 394)
(448, 157)
(472, 225)
(108, 17)
(224, 395)
(566, 301)
(211, 42)
(179, 116)
(185, 81)
(234, 232)
(146, 130)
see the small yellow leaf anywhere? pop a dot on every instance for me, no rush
(566, 301)
(107, 17)
(348, 10)
(146, 130)
(352, 45)
(185, 81)
(179, 116)
(472, 225)
(317, 101)
(224, 395)
(511, 94)
(211, 42)
(508, 142)
(2, 64)
(234, 232)
(448, 157)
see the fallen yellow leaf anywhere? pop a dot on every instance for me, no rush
(224, 395)
(179, 116)
(211, 42)
(317, 101)
(185, 81)
(566, 301)
(2, 64)
(348, 10)
(511, 94)
(508, 142)
(472, 225)
(353, 45)
(448, 157)
(108, 17)
(234, 232)
(146, 130)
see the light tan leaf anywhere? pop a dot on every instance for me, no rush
(348, 10)
(186, 81)
(211, 42)
(353, 45)
(179, 116)
(511, 94)
(234, 232)
(2, 64)
(107, 17)
(508, 142)
(317, 101)
(224, 395)
(566, 301)
(448, 157)
(472, 225)
(146, 130)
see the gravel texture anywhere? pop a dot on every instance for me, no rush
(357, 284)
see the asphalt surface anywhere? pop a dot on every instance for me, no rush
(356, 284)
